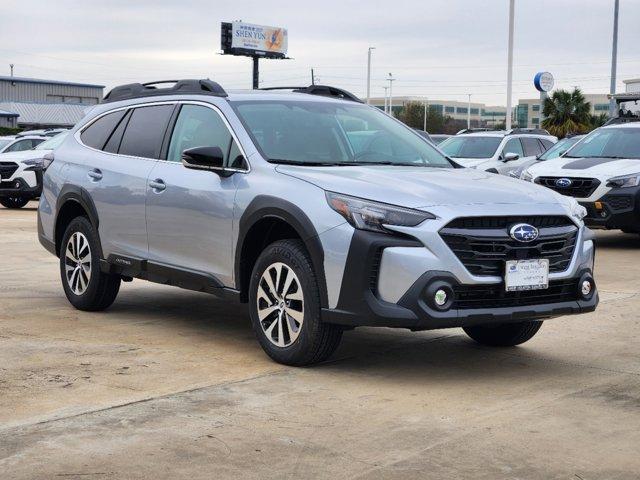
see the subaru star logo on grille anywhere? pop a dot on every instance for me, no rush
(563, 182)
(523, 232)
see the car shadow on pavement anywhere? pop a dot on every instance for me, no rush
(374, 351)
(618, 240)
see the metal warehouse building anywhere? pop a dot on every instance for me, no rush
(37, 103)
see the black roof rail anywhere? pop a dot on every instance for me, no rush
(473, 130)
(139, 90)
(323, 90)
(536, 131)
(620, 120)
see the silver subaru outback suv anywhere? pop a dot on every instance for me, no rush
(322, 213)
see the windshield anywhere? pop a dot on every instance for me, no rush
(328, 133)
(53, 142)
(4, 142)
(470, 147)
(609, 143)
(562, 146)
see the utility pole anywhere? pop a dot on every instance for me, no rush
(256, 72)
(313, 79)
(614, 60)
(391, 80)
(426, 105)
(11, 67)
(385, 99)
(369, 74)
(510, 64)
(469, 112)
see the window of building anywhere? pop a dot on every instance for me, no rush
(535, 120)
(462, 110)
(535, 108)
(601, 107)
(475, 111)
(449, 109)
(145, 131)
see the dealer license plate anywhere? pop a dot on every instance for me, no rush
(526, 275)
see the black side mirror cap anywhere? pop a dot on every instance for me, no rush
(204, 158)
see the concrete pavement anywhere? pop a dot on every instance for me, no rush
(172, 384)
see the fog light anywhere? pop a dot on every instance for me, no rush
(585, 288)
(440, 297)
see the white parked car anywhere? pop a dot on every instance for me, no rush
(21, 173)
(602, 172)
(555, 152)
(20, 144)
(497, 151)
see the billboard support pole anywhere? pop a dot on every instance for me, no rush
(256, 72)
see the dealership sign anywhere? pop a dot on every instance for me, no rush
(543, 81)
(239, 38)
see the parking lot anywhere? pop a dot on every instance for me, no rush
(171, 383)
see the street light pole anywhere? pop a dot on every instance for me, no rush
(385, 99)
(510, 64)
(369, 74)
(614, 60)
(391, 80)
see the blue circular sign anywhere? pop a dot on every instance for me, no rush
(543, 81)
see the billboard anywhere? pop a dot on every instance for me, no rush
(239, 38)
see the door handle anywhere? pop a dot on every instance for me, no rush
(95, 175)
(158, 185)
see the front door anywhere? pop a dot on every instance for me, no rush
(190, 212)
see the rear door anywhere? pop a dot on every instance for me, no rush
(190, 212)
(127, 144)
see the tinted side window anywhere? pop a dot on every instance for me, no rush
(145, 131)
(546, 144)
(98, 132)
(113, 144)
(198, 126)
(531, 147)
(513, 146)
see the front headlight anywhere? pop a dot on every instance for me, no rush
(368, 215)
(624, 181)
(526, 176)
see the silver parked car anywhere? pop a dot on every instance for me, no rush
(267, 197)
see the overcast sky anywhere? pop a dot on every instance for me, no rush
(434, 48)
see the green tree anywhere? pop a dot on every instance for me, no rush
(412, 114)
(598, 120)
(566, 112)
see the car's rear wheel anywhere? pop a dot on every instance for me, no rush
(503, 335)
(13, 202)
(86, 287)
(285, 306)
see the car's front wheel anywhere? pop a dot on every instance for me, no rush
(86, 287)
(285, 306)
(503, 335)
(13, 202)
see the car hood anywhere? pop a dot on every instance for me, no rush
(24, 155)
(418, 187)
(585, 167)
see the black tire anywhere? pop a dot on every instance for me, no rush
(13, 202)
(101, 288)
(315, 341)
(505, 335)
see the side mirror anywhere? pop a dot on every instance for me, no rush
(509, 157)
(203, 158)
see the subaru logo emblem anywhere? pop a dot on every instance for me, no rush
(563, 182)
(523, 232)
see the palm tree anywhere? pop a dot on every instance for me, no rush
(599, 120)
(566, 112)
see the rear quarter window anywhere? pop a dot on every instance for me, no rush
(97, 134)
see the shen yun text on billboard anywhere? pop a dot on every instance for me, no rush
(260, 38)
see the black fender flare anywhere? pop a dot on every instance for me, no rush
(265, 206)
(74, 193)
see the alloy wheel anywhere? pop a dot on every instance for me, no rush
(77, 263)
(280, 304)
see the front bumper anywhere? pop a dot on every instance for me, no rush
(379, 266)
(19, 187)
(620, 210)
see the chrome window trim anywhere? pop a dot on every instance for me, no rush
(169, 102)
